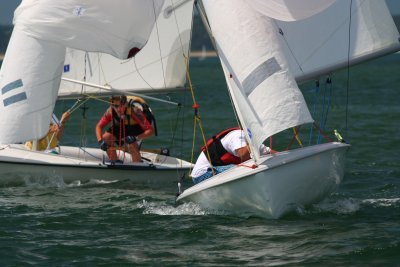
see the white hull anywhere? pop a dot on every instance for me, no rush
(278, 185)
(85, 164)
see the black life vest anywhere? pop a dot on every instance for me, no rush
(129, 121)
(218, 154)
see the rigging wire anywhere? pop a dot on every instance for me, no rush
(325, 110)
(83, 138)
(160, 54)
(159, 45)
(348, 69)
(314, 109)
(288, 46)
(195, 106)
(186, 59)
(197, 118)
(329, 83)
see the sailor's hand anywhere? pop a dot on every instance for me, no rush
(103, 145)
(65, 116)
(130, 139)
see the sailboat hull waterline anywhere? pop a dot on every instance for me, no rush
(279, 184)
(74, 164)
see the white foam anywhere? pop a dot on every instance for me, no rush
(162, 208)
(382, 202)
(343, 206)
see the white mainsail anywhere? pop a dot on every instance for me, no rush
(160, 65)
(33, 65)
(262, 56)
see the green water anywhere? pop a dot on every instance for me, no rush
(46, 222)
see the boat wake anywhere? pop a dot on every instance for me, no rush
(57, 181)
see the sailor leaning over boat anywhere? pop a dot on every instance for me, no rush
(226, 149)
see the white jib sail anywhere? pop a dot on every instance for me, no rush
(32, 68)
(265, 93)
(160, 65)
(29, 81)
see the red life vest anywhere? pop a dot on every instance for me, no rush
(218, 154)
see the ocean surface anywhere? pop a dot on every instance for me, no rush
(46, 222)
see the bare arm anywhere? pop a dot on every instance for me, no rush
(99, 132)
(65, 116)
(243, 153)
(59, 129)
(146, 134)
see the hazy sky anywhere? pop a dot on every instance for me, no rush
(7, 8)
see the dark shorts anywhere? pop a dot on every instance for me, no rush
(130, 130)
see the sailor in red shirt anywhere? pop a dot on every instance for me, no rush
(128, 113)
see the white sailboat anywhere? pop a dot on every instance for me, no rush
(266, 48)
(91, 45)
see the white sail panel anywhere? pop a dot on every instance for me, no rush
(289, 10)
(320, 44)
(29, 81)
(121, 28)
(266, 95)
(160, 65)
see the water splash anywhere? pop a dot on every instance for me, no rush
(163, 208)
(47, 181)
